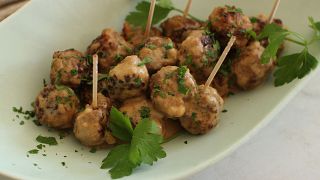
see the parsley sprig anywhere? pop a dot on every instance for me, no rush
(162, 9)
(292, 66)
(181, 82)
(144, 145)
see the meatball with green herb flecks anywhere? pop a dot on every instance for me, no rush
(199, 52)
(175, 27)
(68, 68)
(128, 79)
(111, 49)
(158, 52)
(56, 106)
(202, 111)
(90, 124)
(248, 69)
(170, 87)
(227, 21)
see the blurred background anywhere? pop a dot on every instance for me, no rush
(8, 7)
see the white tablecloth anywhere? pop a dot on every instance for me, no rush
(287, 148)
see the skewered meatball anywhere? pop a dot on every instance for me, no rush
(248, 69)
(90, 124)
(140, 107)
(170, 87)
(176, 26)
(160, 52)
(202, 111)
(227, 21)
(68, 68)
(56, 106)
(111, 49)
(199, 52)
(128, 79)
(135, 35)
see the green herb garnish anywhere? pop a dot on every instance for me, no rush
(162, 9)
(233, 9)
(168, 46)
(74, 72)
(181, 75)
(120, 125)
(138, 81)
(47, 140)
(118, 58)
(292, 66)
(33, 151)
(143, 148)
(144, 112)
(145, 61)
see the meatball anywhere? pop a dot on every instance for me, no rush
(68, 68)
(202, 111)
(56, 106)
(170, 87)
(111, 49)
(248, 69)
(199, 52)
(90, 124)
(140, 107)
(176, 26)
(227, 21)
(128, 79)
(135, 35)
(159, 52)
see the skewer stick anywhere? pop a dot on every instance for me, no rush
(150, 17)
(273, 12)
(186, 10)
(95, 81)
(220, 61)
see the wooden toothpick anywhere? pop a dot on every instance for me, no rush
(220, 61)
(150, 17)
(186, 10)
(95, 81)
(273, 12)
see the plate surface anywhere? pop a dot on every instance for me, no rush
(27, 41)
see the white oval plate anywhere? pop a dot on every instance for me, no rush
(27, 41)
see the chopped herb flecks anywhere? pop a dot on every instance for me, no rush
(47, 140)
(181, 75)
(144, 112)
(145, 61)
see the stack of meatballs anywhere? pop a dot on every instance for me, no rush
(159, 77)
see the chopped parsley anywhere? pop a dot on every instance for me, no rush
(181, 75)
(145, 61)
(224, 111)
(157, 91)
(194, 116)
(151, 46)
(33, 151)
(233, 9)
(93, 150)
(63, 163)
(185, 142)
(74, 72)
(40, 146)
(254, 19)
(21, 123)
(118, 58)
(138, 81)
(47, 140)
(169, 45)
(144, 112)
(28, 114)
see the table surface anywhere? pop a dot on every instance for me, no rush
(287, 148)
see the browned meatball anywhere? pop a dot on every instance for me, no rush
(128, 79)
(170, 87)
(227, 21)
(199, 52)
(202, 111)
(135, 35)
(90, 124)
(140, 107)
(111, 49)
(248, 69)
(56, 106)
(158, 52)
(68, 68)
(176, 26)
